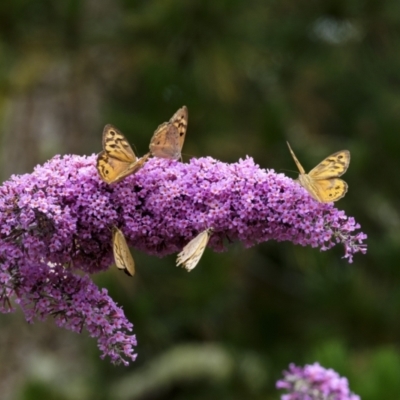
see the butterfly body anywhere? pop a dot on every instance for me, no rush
(117, 160)
(122, 255)
(323, 182)
(168, 138)
(192, 252)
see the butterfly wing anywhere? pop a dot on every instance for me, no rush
(165, 142)
(299, 166)
(168, 138)
(122, 255)
(132, 168)
(111, 169)
(332, 167)
(322, 182)
(116, 145)
(180, 121)
(192, 252)
(328, 190)
(117, 160)
(139, 163)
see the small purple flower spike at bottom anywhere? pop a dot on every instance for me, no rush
(56, 223)
(313, 382)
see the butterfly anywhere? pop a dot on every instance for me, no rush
(122, 255)
(168, 138)
(192, 252)
(322, 182)
(117, 160)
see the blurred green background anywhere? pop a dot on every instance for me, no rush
(325, 76)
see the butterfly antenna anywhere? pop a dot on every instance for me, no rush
(188, 155)
(134, 149)
(288, 170)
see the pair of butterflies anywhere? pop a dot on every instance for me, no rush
(322, 182)
(188, 257)
(118, 160)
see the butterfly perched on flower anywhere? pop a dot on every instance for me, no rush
(192, 252)
(323, 182)
(117, 160)
(168, 138)
(122, 255)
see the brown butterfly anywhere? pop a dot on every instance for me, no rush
(117, 160)
(322, 182)
(122, 255)
(192, 252)
(168, 138)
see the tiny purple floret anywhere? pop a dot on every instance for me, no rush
(58, 220)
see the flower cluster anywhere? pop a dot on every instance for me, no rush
(58, 220)
(313, 382)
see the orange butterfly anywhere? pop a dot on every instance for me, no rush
(322, 182)
(122, 255)
(168, 138)
(117, 160)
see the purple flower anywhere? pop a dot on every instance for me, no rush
(313, 382)
(58, 219)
